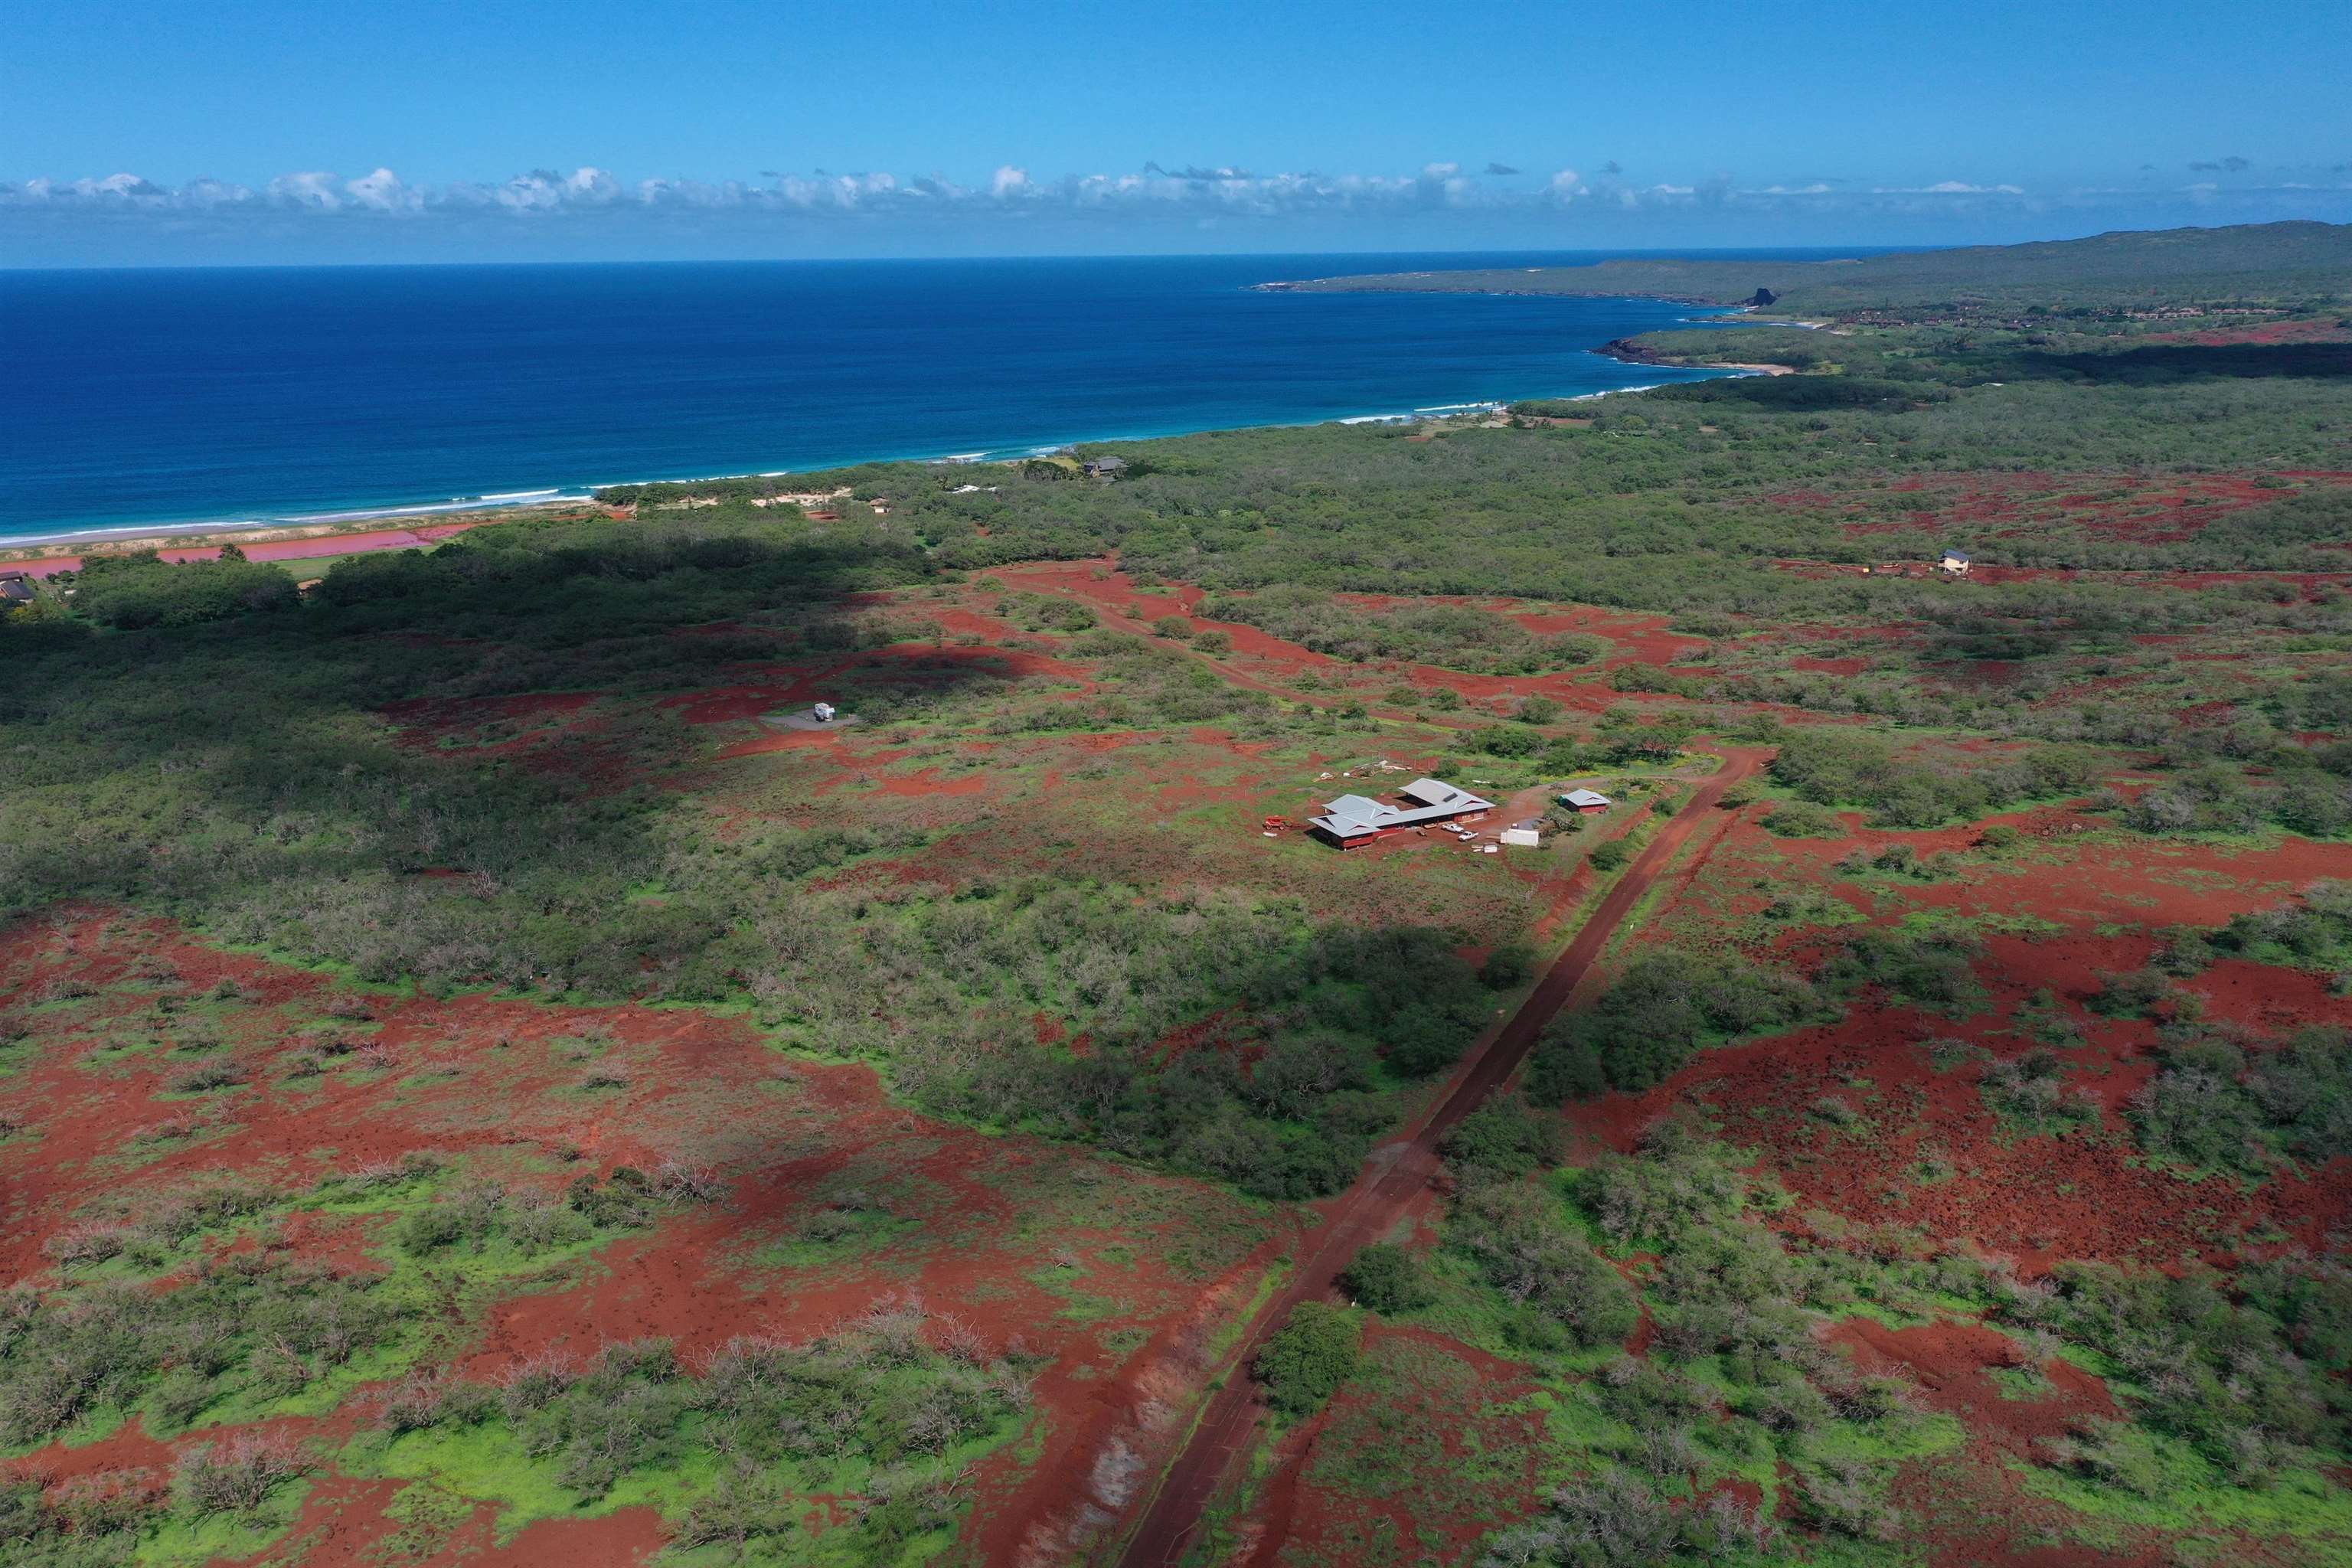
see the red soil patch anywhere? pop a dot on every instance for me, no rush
(2037, 1198)
(1441, 1412)
(1640, 639)
(928, 782)
(1950, 1362)
(2146, 507)
(475, 1074)
(795, 686)
(2304, 332)
(417, 538)
(967, 623)
(428, 719)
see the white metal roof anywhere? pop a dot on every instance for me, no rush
(1353, 816)
(1586, 798)
(1437, 792)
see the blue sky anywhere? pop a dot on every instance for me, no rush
(262, 131)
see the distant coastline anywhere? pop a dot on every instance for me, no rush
(549, 379)
(364, 530)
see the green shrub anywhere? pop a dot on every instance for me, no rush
(1503, 1139)
(1388, 1278)
(1508, 965)
(1308, 1357)
(1521, 1240)
(236, 1475)
(2131, 996)
(138, 590)
(1803, 819)
(1653, 1017)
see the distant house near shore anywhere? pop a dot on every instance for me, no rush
(16, 588)
(802, 497)
(1104, 467)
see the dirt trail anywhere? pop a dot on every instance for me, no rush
(1397, 1175)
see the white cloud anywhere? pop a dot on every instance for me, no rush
(316, 191)
(1953, 188)
(383, 191)
(780, 203)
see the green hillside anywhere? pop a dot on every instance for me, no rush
(2276, 262)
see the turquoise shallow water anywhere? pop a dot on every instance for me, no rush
(143, 397)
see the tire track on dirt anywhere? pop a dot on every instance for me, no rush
(1397, 1173)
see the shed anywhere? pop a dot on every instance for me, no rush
(1956, 561)
(1587, 801)
(1522, 838)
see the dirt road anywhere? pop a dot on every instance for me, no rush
(1172, 1512)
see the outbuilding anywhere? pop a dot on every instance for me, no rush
(1954, 561)
(1586, 801)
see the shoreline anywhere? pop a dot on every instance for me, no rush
(1625, 350)
(362, 530)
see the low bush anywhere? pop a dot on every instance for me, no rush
(1388, 1278)
(1520, 1238)
(1647, 1023)
(234, 1474)
(1803, 819)
(1503, 1139)
(2220, 1102)
(1308, 1358)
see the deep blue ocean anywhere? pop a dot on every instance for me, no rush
(137, 397)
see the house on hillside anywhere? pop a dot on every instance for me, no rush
(1104, 467)
(1954, 561)
(1354, 819)
(16, 588)
(1586, 801)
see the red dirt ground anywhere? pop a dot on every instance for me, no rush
(1948, 1361)
(2035, 1198)
(1447, 1424)
(2306, 331)
(2149, 509)
(416, 538)
(697, 1277)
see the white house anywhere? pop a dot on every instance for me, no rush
(1354, 819)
